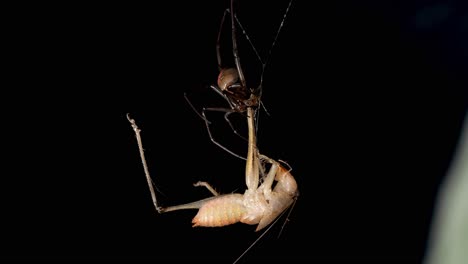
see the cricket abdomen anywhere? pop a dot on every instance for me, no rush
(221, 211)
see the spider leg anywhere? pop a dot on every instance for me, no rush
(207, 123)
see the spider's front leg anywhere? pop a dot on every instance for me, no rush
(207, 124)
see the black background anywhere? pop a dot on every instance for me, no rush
(365, 103)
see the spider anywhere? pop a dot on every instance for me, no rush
(231, 82)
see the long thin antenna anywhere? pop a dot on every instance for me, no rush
(287, 217)
(274, 41)
(260, 237)
(244, 32)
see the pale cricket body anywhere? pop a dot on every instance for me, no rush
(260, 204)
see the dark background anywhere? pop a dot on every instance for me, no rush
(365, 103)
